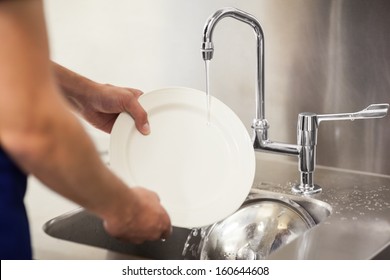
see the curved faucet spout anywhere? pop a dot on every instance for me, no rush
(208, 49)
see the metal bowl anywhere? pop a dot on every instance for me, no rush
(258, 228)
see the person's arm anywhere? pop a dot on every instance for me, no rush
(100, 104)
(45, 139)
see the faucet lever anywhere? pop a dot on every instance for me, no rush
(371, 112)
(307, 141)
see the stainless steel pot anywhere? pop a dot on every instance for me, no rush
(258, 228)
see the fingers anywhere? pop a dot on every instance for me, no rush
(167, 233)
(166, 230)
(134, 108)
(137, 93)
(146, 221)
(166, 227)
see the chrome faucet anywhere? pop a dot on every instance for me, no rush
(307, 127)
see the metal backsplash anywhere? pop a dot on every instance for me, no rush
(320, 56)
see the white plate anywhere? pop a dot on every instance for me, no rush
(201, 170)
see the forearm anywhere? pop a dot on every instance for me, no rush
(76, 88)
(36, 127)
(54, 147)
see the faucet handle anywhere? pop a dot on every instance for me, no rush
(307, 140)
(310, 121)
(373, 111)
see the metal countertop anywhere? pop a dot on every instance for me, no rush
(358, 226)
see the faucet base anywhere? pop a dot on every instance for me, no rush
(306, 189)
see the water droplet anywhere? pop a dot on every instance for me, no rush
(245, 253)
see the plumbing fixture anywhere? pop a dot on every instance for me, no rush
(308, 123)
(307, 140)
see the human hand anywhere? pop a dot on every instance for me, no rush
(142, 218)
(105, 102)
(100, 104)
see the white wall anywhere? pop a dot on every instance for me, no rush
(152, 44)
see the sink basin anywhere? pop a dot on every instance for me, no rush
(83, 227)
(264, 224)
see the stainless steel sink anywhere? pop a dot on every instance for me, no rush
(352, 217)
(265, 223)
(83, 227)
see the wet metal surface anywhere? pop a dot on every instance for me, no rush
(358, 226)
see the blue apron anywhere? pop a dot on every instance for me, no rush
(14, 230)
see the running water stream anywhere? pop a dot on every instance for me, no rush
(192, 247)
(208, 96)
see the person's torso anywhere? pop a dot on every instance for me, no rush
(14, 229)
